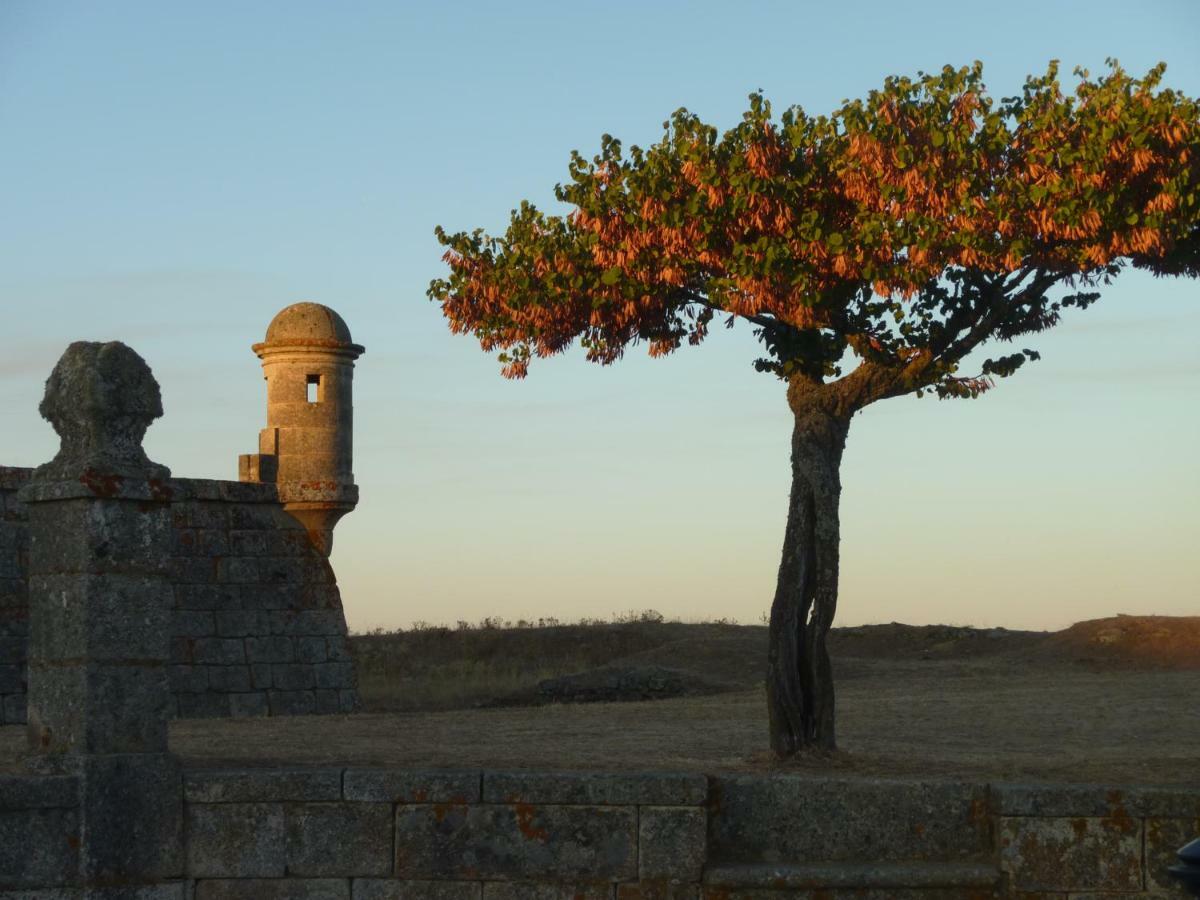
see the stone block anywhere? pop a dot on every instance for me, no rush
(188, 679)
(270, 649)
(334, 676)
(1094, 800)
(193, 623)
(672, 842)
(254, 516)
(38, 847)
(235, 840)
(350, 839)
(293, 677)
(391, 889)
(210, 705)
(38, 791)
(229, 679)
(178, 890)
(204, 542)
(97, 537)
(307, 622)
(204, 513)
(337, 649)
(753, 818)
(262, 785)
(273, 889)
(242, 623)
(99, 708)
(348, 701)
(327, 702)
(191, 570)
(209, 597)
(219, 651)
(1072, 854)
(596, 788)
(239, 570)
(517, 841)
(260, 676)
(457, 786)
(101, 617)
(311, 650)
(663, 890)
(134, 809)
(248, 705)
(518, 890)
(13, 650)
(14, 709)
(285, 570)
(292, 703)
(1163, 838)
(12, 679)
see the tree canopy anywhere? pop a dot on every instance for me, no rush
(907, 227)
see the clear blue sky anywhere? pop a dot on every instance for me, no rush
(172, 174)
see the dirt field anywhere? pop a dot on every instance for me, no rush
(1096, 704)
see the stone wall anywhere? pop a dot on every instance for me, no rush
(258, 626)
(388, 834)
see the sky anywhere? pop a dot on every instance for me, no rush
(171, 175)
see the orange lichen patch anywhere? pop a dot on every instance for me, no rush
(100, 483)
(526, 813)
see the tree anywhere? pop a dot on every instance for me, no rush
(872, 250)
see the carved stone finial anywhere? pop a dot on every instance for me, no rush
(101, 398)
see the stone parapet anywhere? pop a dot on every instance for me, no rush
(447, 834)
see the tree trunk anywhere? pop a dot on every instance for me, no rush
(799, 676)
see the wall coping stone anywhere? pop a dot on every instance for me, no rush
(412, 785)
(261, 785)
(855, 875)
(600, 787)
(1049, 800)
(19, 792)
(14, 477)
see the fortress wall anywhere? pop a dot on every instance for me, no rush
(395, 834)
(14, 596)
(258, 627)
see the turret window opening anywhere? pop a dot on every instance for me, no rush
(314, 388)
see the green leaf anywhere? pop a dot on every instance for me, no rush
(611, 276)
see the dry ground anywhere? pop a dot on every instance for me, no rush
(1096, 703)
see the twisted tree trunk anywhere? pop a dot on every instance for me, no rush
(799, 676)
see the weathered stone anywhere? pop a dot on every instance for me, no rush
(262, 785)
(273, 889)
(292, 703)
(248, 705)
(193, 622)
(602, 788)
(412, 785)
(1072, 854)
(21, 792)
(270, 649)
(133, 818)
(671, 842)
(334, 676)
(753, 819)
(235, 840)
(1092, 800)
(517, 890)
(203, 706)
(293, 677)
(97, 708)
(229, 679)
(352, 839)
(110, 618)
(311, 650)
(516, 841)
(38, 847)
(101, 398)
(658, 890)
(327, 702)
(242, 623)
(391, 889)
(980, 877)
(219, 651)
(1163, 838)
